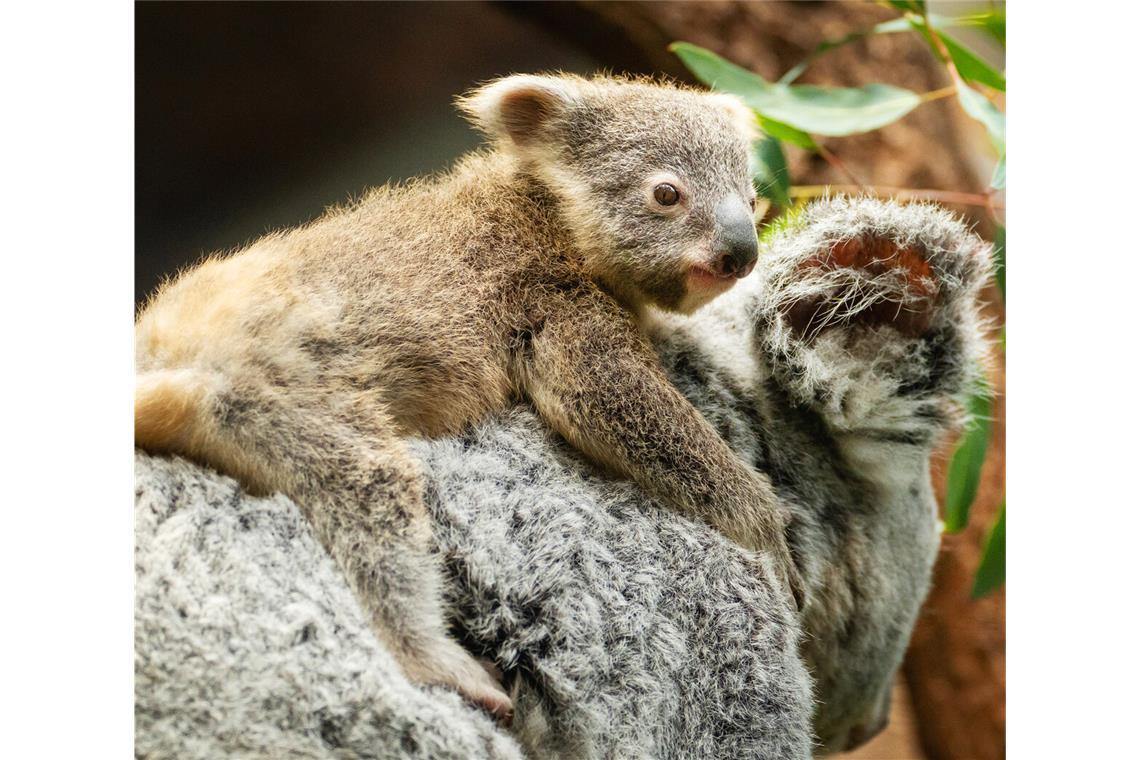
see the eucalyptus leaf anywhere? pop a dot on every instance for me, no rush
(909, 6)
(969, 65)
(991, 570)
(992, 21)
(835, 111)
(979, 107)
(788, 134)
(998, 180)
(771, 175)
(832, 111)
(966, 467)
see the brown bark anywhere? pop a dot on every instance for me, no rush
(955, 669)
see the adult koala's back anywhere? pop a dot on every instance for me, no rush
(623, 628)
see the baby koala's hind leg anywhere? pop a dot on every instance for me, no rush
(352, 477)
(376, 526)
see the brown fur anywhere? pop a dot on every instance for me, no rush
(165, 406)
(297, 364)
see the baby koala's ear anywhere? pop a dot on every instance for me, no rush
(520, 108)
(742, 116)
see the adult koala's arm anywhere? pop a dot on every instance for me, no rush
(629, 630)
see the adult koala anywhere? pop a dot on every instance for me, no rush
(621, 628)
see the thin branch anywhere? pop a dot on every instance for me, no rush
(842, 167)
(945, 92)
(992, 207)
(940, 48)
(839, 166)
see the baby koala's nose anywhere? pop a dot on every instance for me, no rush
(736, 244)
(735, 265)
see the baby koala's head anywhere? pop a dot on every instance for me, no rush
(653, 180)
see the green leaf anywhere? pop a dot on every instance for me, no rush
(791, 220)
(833, 111)
(969, 65)
(998, 180)
(966, 466)
(992, 21)
(999, 259)
(909, 6)
(991, 570)
(788, 134)
(979, 107)
(771, 175)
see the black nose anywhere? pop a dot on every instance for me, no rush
(736, 264)
(736, 244)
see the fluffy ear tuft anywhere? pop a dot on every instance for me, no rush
(519, 107)
(741, 115)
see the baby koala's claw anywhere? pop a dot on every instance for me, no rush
(444, 662)
(495, 704)
(481, 688)
(498, 705)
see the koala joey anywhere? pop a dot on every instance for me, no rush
(297, 364)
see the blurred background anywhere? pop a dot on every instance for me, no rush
(255, 116)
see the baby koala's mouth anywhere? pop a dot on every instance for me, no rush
(705, 277)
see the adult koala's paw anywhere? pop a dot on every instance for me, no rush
(862, 281)
(864, 302)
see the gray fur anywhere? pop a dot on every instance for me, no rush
(249, 643)
(622, 628)
(299, 364)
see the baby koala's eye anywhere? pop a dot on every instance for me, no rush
(752, 204)
(666, 194)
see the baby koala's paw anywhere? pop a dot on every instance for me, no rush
(865, 303)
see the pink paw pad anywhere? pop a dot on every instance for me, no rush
(909, 308)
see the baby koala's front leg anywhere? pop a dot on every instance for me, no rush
(595, 379)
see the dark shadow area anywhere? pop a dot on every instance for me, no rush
(255, 116)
